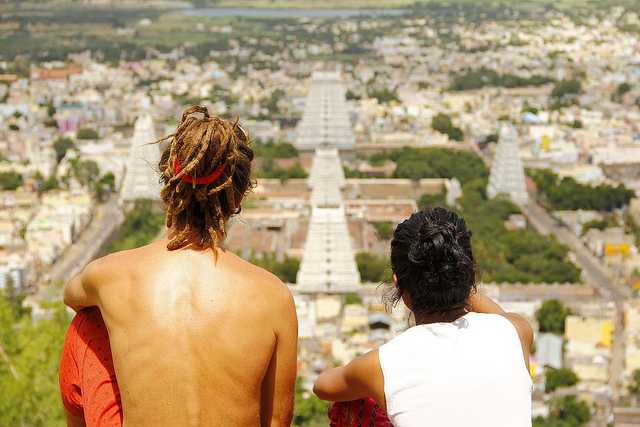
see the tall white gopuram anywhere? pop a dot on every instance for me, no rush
(328, 262)
(325, 122)
(507, 172)
(141, 179)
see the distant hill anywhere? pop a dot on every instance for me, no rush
(315, 4)
(564, 5)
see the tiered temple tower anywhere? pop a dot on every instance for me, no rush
(507, 172)
(141, 179)
(325, 122)
(328, 263)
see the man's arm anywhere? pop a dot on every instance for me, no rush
(278, 385)
(482, 304)
(359, 379)
(81, 291)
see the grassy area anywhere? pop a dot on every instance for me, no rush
(565, 5)
(313, 4)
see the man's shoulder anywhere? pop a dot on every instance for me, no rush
(265, 281)
(111, 266)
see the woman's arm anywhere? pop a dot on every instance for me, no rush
(359, 379)
(483, 304)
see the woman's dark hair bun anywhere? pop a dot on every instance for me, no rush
(432, 259)
(433, 243)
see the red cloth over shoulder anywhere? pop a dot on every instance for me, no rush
(358, 413)
(87, 378)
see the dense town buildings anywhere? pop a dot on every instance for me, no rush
(546, 94)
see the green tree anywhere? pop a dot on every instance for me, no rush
(271, 171)
(15, 297)
(419, 163)
(566, 88)
(274, 150)
(352, 95)
(87, 133)
(104, 186)
(432, 200)
(551, 317)
(377, 159)
(621, 91)
(51, 109)
(568, 194)
(556, 378)
(61, 146)
(599, 224)
(86, 172)
(49, 184)
(352, 298)
(373, 268)
(142, 224)
(484, 77)
(286, 270)
(384, 229)
(566, 411)
(384, 96)
(309, 411)
(442, 123)
(634, 384)
(10, 180)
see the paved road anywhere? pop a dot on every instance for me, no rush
(106, 219)
(595, 273)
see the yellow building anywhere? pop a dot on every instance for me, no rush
(598, 332)
(612, 249)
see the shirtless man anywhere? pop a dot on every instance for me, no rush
(199, 336)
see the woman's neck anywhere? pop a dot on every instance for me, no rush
(440, 317)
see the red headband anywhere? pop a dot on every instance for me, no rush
(204, 180)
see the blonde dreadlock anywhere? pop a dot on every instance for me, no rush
(198, 212)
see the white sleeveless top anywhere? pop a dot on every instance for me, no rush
(470, 372)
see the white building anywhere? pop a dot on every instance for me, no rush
(507, 172)
(325, 122)
(328, 261)
(141, 180)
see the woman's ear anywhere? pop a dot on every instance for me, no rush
(395, 279)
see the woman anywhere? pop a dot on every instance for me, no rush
(466, 360)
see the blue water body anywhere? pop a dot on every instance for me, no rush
(292, 13)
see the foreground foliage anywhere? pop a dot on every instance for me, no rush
(29, 358)
(309, 411)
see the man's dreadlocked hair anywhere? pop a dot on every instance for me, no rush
(198, 212)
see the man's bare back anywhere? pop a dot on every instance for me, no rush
(195, 341)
